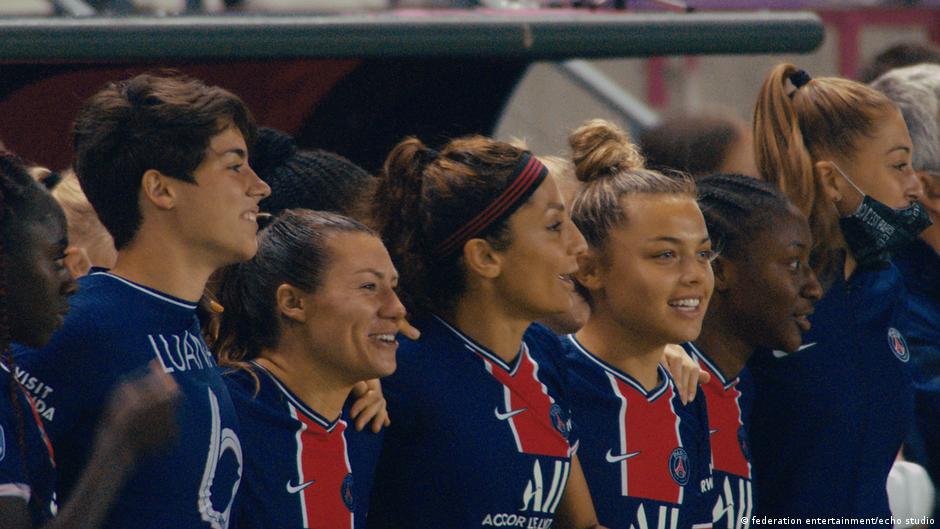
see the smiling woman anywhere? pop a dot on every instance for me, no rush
(311, 315)
(647, 276)
(485, 247)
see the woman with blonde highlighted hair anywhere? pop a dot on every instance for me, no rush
(829, 418)
(648, 279)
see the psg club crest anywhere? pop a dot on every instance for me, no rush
(679, 466)
(898, 345)
(559, 421)
(347, 492)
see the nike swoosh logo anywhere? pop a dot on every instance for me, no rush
(806, 346)
(611, 458)
(712, 431)
(292, 489)
(511, 413)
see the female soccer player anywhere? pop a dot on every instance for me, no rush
(647, 276)
(34, 287)
(481, 433)
(764, 244)
(312, 314)
(842, 153)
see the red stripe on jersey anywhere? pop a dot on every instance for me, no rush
(725, 423)
(322, 470)
(42, 429)
(649, 434)
(540, 427)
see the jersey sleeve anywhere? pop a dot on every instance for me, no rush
(69, 377)
(12, 480)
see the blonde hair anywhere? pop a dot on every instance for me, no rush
(795, 127)
(559, 168)
(85, 230)
(611, 166)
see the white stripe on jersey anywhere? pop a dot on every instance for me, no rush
(16, 490)
(300, 465)
(191, 306)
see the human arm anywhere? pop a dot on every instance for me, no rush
(140, 418)
(370, 406)
(685, 371)
(576, 510)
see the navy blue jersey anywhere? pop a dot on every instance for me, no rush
(829, 419)
(301, 469)
(645, 455)
(26, 471)
(474, 441)
(920, 268)
(114, 328)
(727, 402)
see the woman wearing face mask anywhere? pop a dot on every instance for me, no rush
(481, 427)
(829, 419)
(647, 276)
(764, 246)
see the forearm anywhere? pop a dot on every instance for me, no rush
(109, 466)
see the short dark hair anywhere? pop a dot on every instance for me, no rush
(152, 121)
(898, 56)
(695, 145)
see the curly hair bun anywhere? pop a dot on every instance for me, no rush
(601, 149)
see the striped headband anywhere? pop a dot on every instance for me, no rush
(527, 177)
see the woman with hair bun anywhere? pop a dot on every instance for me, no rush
(829, 418)
(481, 432)
(647, 276)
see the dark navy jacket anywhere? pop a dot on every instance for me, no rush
(829, 419)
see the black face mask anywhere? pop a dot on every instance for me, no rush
(875, 230)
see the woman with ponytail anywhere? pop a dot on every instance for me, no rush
(647, 276)
(481, 432)
(34, 288)
(829, 418)
(310, 316)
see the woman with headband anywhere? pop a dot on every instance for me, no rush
(481, 432)
(829, 418)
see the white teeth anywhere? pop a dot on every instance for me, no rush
(250, 216)
(387, 338)
(688, 302)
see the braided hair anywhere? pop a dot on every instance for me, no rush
(738, 209)
(314, 179)
(22, 201)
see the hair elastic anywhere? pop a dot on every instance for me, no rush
(526, 178)
(800, 78)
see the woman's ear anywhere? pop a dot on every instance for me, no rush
(590, 272)
(724, 274)
(482, 259)
(825, 173)
(77, 261)
(290, 303)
